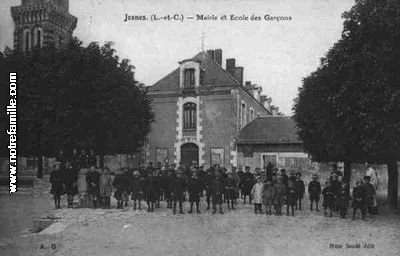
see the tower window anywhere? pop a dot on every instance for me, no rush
(189, 80)
(189, 116)
(38, 37)
(27, 41)
(242, 115)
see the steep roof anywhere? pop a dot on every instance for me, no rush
(270, 130)
(214, 74)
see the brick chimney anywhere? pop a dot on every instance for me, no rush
(211, 54)
(230, 66)
(218, 56)
(239, 74)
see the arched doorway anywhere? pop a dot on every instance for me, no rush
(189, 153)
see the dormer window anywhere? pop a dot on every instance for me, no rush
(189, 78)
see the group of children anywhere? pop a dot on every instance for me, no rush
(79, 174)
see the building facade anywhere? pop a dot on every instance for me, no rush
(200, 108)
(42, 23)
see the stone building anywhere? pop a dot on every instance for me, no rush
(200, 108)
(42, 23)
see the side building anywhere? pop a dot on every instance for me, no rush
(200, 108)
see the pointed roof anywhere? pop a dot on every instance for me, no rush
(270, 130)
(214, 74)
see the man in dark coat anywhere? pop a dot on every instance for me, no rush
(83, 160)
(70, 182)
(92, 179)
(337, 185)
(207, 182)
(246, 184)
(137, 190)
(285, 178)
(195, 188)
(314, 191)
(300, 190)
(92, 159)
(57, 184)
(369, 194)
(230, 191)
(179, 187)
(269, 171)
(359, 198)
(151, 190)
(343, 200)
(217, 190)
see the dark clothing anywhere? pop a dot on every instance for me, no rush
(217, 189)
(247, 183)
(195, 188)
(92, 161)
(207, 183)
(300, 189)
(92, 179)
(136, 188)
(61, 158)
(369, 194)
(230, 189)
(285, 179)
(151, 189)
(343, 201)
(57, 183)
(121, 185)
(178, 189)
(329, 197)
(270, 170)
(70, 180)
(314, 190)
(292, 195)
(359, 195)
(83, 161)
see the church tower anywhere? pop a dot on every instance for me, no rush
(42, 23)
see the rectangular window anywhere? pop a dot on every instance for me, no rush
(161, 155)
(217, 156)
(189, 116)
(189, 80)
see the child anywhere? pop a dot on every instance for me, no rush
(151, 190)
(136, 189)
(126, 178)
(178, 191)
(280, 195)
(292, 196)
(195, 189)
(256, 193)
(329, 198)
(57, 184)
(105, 184)
(369, 194)
(343, 200)
(118, 184)
(70, 179)
(300, 190)
(92, 179)
(82, 187)
(269, 194)
(217, 189)
(359, 196)
(314, 191)
(247, 183)
(230, 191)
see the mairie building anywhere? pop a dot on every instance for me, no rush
(200, 109)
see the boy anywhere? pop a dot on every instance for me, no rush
(230, 191)
(105, 185)
(269, 194)
(369, 194)
(314, 191)
(329, 198)
(92, 179)
(359, 196)
(178, 191)
(247, 183)
(136, 189)
(292, 196)
(151, 190)
(343, 200)
(118, 184)
(300, 190)
(280, 195)
(57, 184)
(70, 180)
(256, 193)
(195, 191)
(217, 189)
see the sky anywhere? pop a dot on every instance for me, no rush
(276, 55)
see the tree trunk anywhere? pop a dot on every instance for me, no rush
(393, 182)
(347, 172)
(40, 166)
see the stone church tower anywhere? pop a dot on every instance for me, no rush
(42, 23)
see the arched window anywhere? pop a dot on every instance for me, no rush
(251, 114)
(38, 37)
(26, 44)
(242, 115)
(189, 116)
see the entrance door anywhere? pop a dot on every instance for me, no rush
(189, 153)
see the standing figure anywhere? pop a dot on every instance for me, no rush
(151, 190)
(208, 181)
(159, 182)
(92, 179)
(359, 198)
(230, 191)
(57, 184)
(292, 195)
(91, 159)
(369, 195)
(269, 194)
(343, 200)
(336, 185)
(217, 189)
(314, 191)
(195, 188)
(329, 198)
(247, 183)
(257, 192)
(137, 190)
(280, 195)
(105, 186)
(169, 187)
(82, 187)
(61, 157)
(285, 178)
(119, 185)
(178, 191)
(83, 160)
(70, 182)
(300, 190)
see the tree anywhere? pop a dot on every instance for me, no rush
(349, 108)
(78, 97)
